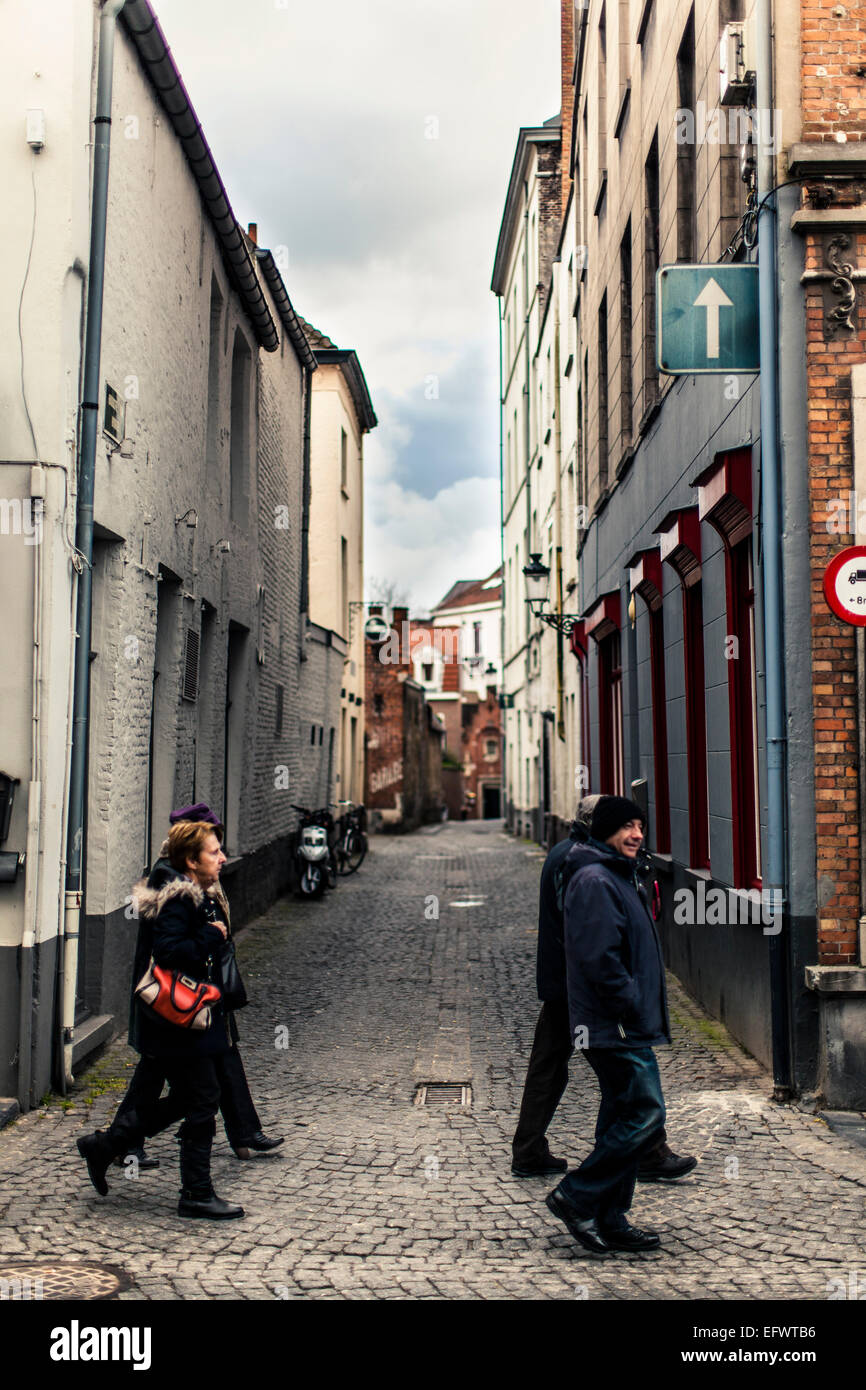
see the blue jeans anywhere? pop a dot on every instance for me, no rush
(630, 1119)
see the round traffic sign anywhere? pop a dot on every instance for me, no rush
(375, 628)
(845, 585)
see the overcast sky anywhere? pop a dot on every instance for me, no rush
(320, 118)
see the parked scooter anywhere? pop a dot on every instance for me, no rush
(316, 861)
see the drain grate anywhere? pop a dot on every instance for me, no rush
(444, 1093)
(26, 1280)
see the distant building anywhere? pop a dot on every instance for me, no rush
(404, 740)
(342, 413)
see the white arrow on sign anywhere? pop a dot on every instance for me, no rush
(712, 298)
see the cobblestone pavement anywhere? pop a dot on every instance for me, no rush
(372, 1196)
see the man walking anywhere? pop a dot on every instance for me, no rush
(618, 1012)
(547, 1071)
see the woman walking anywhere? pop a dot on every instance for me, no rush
(186, 939)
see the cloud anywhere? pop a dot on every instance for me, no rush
(319, 118)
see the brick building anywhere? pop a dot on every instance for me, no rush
(404, 737)
(645, 495)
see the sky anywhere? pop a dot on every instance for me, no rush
(373, 139)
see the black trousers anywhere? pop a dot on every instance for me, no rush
(240, 1116)
(193, 1096)
(546, 1080)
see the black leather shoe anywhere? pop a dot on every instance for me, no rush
(628, 1237)
(140, 1157)
(544, 1166)
(584, 1229)
(257, 1143)
(213, 1207)
(665, 1166)
(98, 1153)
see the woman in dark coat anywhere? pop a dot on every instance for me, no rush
(186, 936)
(240, 1117)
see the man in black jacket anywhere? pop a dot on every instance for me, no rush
(552, 1046)
(618, 1012)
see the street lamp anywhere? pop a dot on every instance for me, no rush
(537, 576)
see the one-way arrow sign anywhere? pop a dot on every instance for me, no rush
(707, 319)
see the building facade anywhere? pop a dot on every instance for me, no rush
(405, 738)
(341, 414)
(200, 551)
(664, 681)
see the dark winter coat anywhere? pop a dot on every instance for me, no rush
(176, 928)
(161, 874)
(616, 977)
(550, 964)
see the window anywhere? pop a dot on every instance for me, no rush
(378, 705)
(476, 639)
(696, 726)
(602, 394)
(344, 584)
(213, 377)
(239, 481)
(279, 696)
(652, 253)
(428, 671)
(602, 104)
(743, 713)
(610, 715)
(625, 335)
(344, 462)
(660, 730)
(491, 750)
(686, 150)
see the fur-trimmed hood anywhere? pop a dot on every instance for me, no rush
(149, 902)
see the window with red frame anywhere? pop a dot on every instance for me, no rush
(660, 731)
(696, 726)
(743, 708)
(610, 740)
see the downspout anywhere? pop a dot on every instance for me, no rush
(503, 739)
(557, 454)
(84, 526)
(305, 512)
(858, 417)
(526, 444)
(771, 542)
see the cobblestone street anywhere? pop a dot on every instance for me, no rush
(372, 1196)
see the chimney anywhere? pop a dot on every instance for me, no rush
(567, 9)
(253, 233)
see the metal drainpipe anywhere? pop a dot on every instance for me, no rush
(503, 781)
(84, 526)
(526, 444)
(775, 876)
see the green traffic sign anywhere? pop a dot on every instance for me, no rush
(707, 319)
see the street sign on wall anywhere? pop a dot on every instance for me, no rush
(845, 585)
(707, 319)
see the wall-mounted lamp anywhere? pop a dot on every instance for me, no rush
(537, 576)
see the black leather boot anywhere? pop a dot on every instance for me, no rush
(197, 1197)
(257, 1143)
(99, 1150)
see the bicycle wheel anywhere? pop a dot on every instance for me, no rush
(355, 847)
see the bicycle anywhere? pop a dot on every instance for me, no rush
(352, 842)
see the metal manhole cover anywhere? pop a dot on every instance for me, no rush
(26, 1280)
(444, 1093)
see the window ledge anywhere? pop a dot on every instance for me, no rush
(600, 195)
(623, 110)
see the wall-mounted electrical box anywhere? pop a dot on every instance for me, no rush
(34, 126)
(736, 65)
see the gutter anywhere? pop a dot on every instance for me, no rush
(143, 28)
(285, 309)
(347, 359)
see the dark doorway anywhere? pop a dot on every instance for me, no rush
(490, 802)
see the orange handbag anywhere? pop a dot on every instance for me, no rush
(171, 997)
